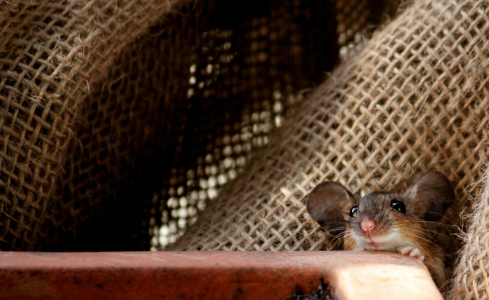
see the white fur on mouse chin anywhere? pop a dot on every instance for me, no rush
(392, 242)
(386, 242)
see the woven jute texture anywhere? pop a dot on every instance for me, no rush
(413, 99)
(471, 275)
(52, 54)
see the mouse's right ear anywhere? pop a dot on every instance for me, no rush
(329, 204)
(432, 195)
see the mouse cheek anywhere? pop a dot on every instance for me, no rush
(353, 229)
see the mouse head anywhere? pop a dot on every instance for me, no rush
(334, 208)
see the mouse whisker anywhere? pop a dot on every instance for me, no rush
(436, 232)
(436, 223)
(336, 229)
(333, 221)
(426, 240)
(431, 231)
(333, 243)
(336, 240)
(332, 225)
(422, 230)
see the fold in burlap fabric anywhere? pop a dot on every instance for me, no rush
(413, 99)
(52, 54)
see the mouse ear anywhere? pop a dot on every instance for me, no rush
(328, 204)
(432, 194)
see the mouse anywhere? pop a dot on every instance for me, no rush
(403, 222)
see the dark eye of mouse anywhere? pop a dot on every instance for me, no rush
(397, 205)
(353, 211)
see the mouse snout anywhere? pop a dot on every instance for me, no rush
(367, 224)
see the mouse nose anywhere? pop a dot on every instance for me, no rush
(367, 224)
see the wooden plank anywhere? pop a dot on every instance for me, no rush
(212, 275)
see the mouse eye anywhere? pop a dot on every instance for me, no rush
(398, 205)
(353, 211)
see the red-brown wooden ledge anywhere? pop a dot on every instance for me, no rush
(212, 275)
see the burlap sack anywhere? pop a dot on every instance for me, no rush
(413, 99)
(52, 54)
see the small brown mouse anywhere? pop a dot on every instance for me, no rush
(398, 222)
